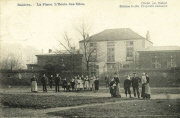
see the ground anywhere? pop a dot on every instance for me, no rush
(20, 102)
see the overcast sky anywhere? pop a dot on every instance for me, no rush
(41, 27)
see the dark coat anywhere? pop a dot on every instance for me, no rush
(96, 82)
(33, 79)
(147, 79)
(64, 85)
(127, 83)
(72, 83)
(44, 80)
(50, 79)
(135, 81)
(116, 79)
(57, 79)
(112, 89)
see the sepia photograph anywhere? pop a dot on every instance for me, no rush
(90, 58)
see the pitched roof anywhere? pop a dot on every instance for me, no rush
(115, 35)
(161, 48)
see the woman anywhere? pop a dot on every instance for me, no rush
(143, 80)
(147, 88)
(86, 84)
(80, 81)
(117, 88)
(34, 87)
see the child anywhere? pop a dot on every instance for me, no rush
(72, 84)
(112, 86)
(127, 84)
(64, 84)
(96, 83)
(68, 86)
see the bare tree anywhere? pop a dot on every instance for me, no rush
(67, 44)
(69, 47)
(10, 61)
(89, 52)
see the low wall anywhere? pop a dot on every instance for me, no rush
(158, 77)
(18, 77)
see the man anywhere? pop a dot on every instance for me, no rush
(135, 85)
(51, 81)
(127, 85)
(57, 81)
(44, 81)
(107, 81)
(96, 83)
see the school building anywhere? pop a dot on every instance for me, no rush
(115, 49)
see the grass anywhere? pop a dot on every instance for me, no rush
(50, 101)
(169, 108)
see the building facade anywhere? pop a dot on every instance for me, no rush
(55, 63)
(115, 49)
(160, 57)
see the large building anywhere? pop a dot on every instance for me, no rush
(58, 62)
(160, 57)
(115, 49)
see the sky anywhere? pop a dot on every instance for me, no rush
(42, 26)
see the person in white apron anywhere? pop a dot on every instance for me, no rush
(34, 87)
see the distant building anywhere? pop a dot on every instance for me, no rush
(160, 57)
(58, 62)
(115, 49)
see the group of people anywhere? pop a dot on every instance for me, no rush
(135, 81)
(79, 83)
(75, 84)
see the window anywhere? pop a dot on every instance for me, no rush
(93, 56)
(110, 55)
(110, 66)
(94, 69)
(129, 55)
(129, 43)
(156, 62)
(92, 44)
(171, 62)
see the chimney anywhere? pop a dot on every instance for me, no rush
(148, 36)
(50, 50)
